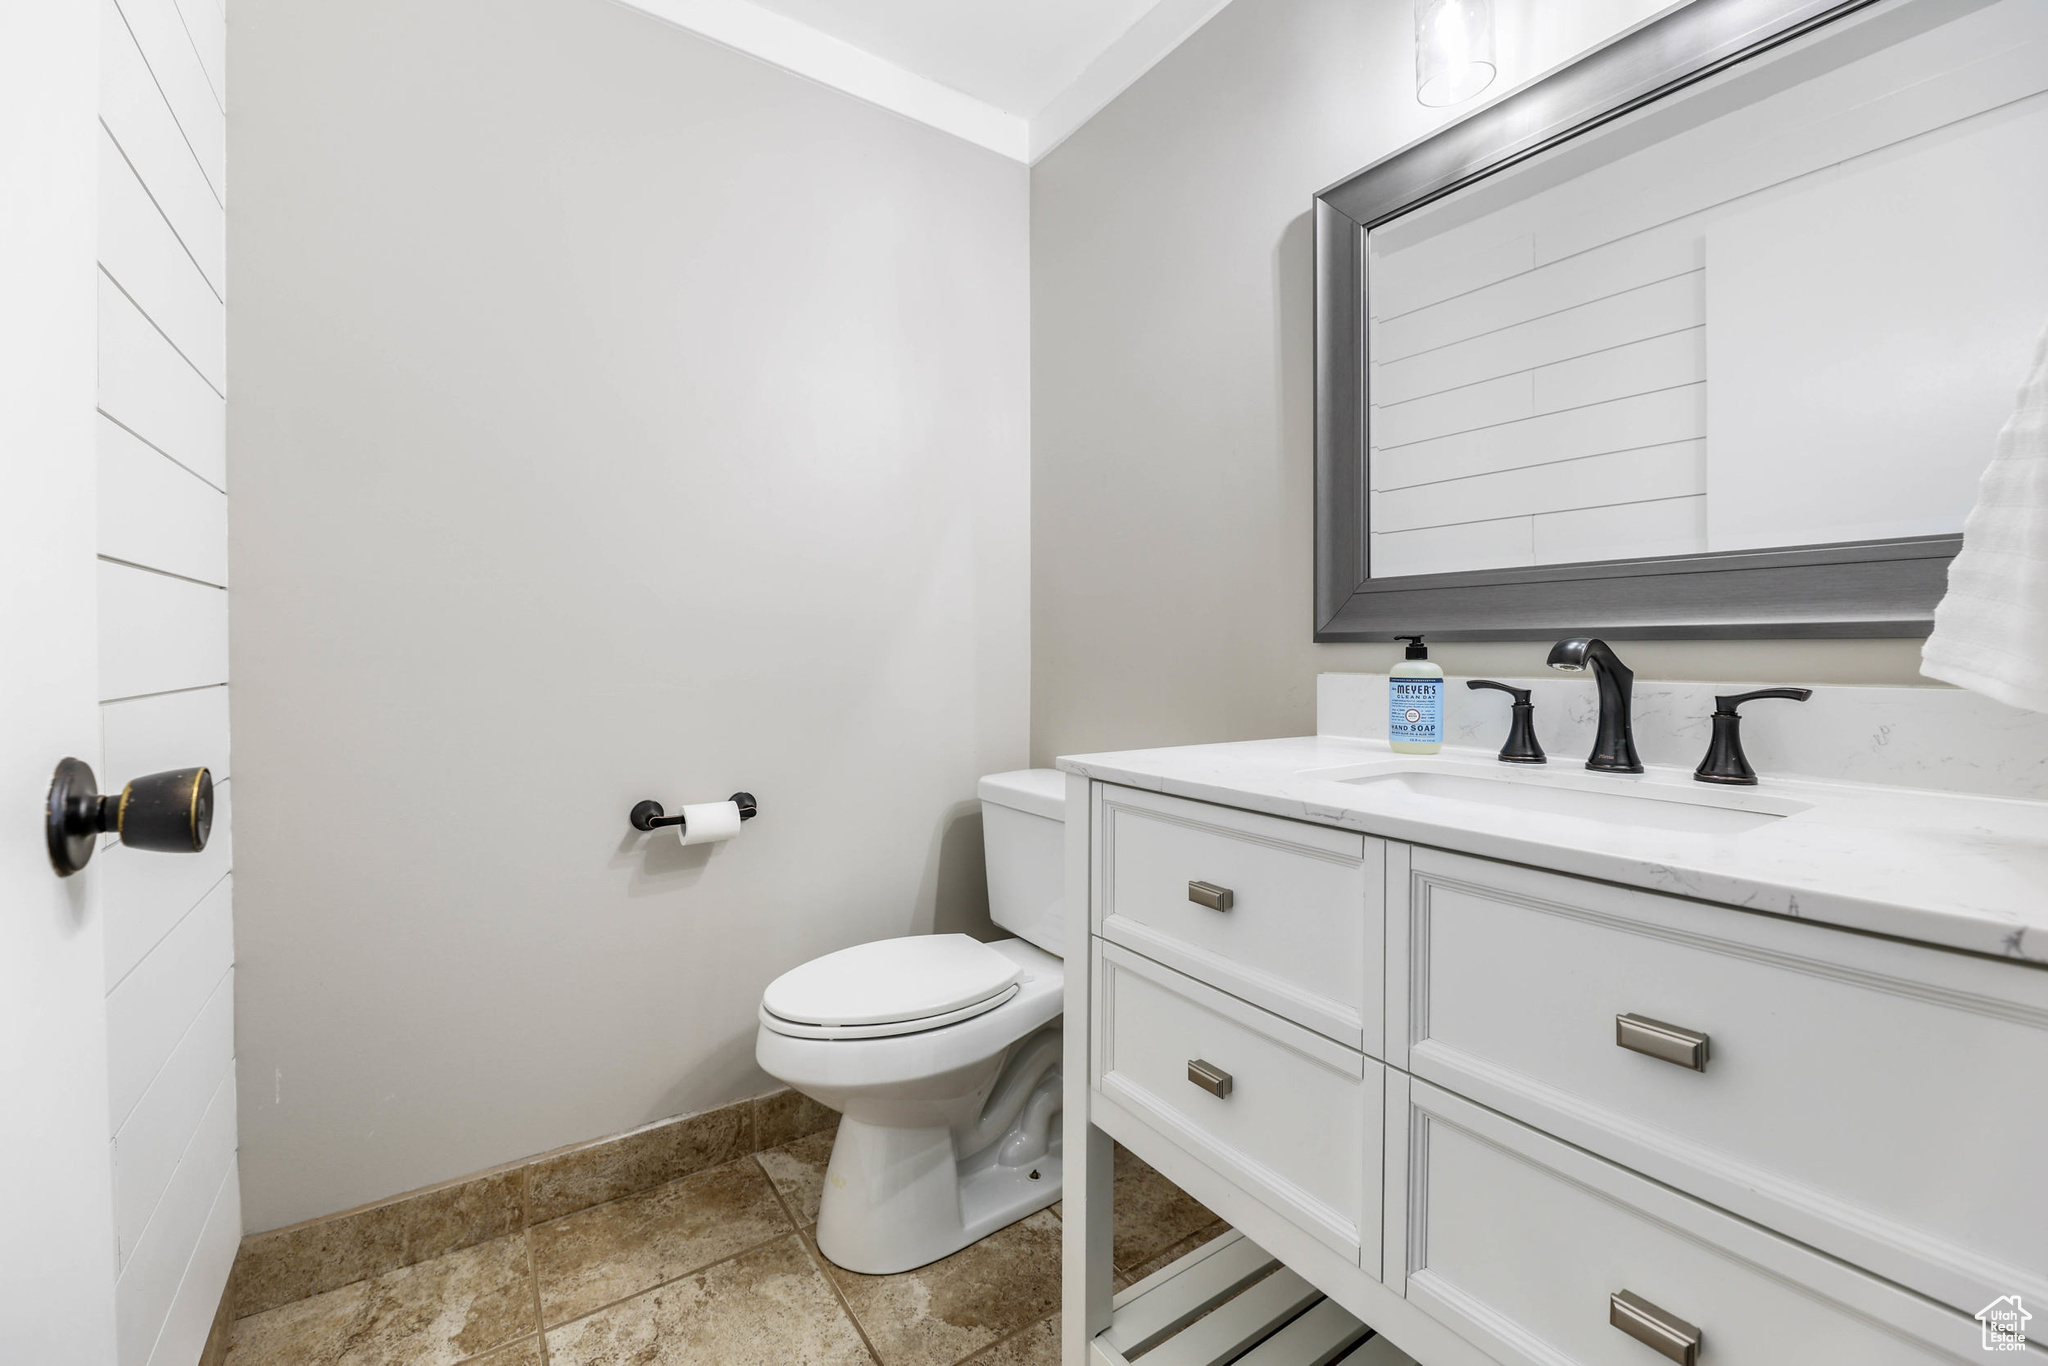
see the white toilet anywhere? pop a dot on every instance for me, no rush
(941, 1053)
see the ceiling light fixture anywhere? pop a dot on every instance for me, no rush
(1453, 50)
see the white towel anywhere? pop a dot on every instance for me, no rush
(1991, 630)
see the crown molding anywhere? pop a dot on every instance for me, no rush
(1136, 51)
(804, 51)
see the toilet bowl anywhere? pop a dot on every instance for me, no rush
(941, 1054)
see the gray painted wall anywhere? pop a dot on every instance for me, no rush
(1171, 384)
(615, 417)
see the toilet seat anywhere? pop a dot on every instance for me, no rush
(890, 987)
(889, 1029)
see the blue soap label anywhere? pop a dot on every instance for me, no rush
(1415, 709)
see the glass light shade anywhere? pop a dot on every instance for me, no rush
(1453, 50)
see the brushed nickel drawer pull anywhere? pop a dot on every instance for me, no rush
(1210, 895)
(1664, 1333)
(1664, 1042)
(1209, 1077)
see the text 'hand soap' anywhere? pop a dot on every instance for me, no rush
(1415, 702)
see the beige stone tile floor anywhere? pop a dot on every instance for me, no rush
(717, 1269)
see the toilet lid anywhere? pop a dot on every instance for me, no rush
(891, 981)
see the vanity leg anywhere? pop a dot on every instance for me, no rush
(1087, 1275)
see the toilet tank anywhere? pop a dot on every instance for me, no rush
(1023, 833)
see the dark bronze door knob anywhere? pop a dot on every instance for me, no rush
(171, 813)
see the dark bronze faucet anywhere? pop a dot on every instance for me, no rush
(1614, 748)
(1725, 761)
(1522, 746)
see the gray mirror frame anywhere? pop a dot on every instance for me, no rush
(1860, 588)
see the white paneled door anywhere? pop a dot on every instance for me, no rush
(120, 1202)
(57, 1254)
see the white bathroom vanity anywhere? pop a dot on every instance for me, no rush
(1537, 1066)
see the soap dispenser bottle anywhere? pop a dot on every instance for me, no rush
(1415, 702)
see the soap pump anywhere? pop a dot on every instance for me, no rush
(1415, 702)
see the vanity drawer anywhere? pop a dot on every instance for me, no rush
(1278, 1109)
(1879, 1101)
(1287, 915)
(1519, 1242)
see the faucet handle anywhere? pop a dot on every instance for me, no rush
(1521, 747)
(1725, 706)
(1521, 695)
(1725, 761)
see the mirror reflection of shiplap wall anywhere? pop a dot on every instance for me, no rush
(1788, 308)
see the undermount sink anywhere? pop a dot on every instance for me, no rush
(1646, 804)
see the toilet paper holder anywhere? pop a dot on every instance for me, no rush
(648, 815)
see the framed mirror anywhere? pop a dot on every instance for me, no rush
(1708, 333)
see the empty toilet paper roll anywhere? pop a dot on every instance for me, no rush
(710, 822)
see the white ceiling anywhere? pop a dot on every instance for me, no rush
(1015, 76)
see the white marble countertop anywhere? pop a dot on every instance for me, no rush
(1961, 871)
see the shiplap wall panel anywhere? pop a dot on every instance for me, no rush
(1446, 268)
(148, 1284)
(1644, 367)
(142, 128)
(159, 633)
(1464, 545)
(144, 257)
(1607, 352)
(1485, 404)
(190, 1317)
(152, 1140)
(154, 1005)
(154, 512)
(166, 730)
(147, 387)
(1597, 480)
(206, 25)
(1611, 268)
(175, 68)
(1672, 526)
(169, 937)
(1652, 419)
(1599, 324)
(147, 894)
